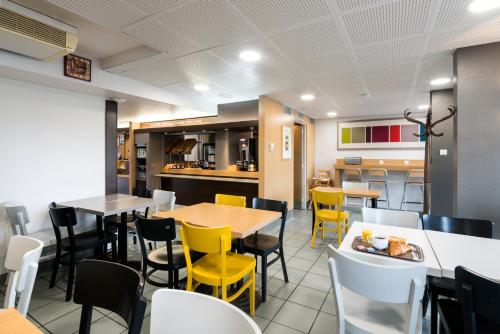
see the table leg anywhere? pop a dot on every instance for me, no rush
(98, 251)
(122, 238)
(313, 219)
(374, 202)
(337, 181)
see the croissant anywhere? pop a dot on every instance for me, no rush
(398, 248)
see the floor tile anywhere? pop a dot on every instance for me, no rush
(317, 282)
(45, 297)
(53, 310)
(294, 242)
(294, 275)
(300, 264)
(261, 322)
(275, 328)
(308, 255)
(146, 326)
(329, 305)
(269, 309)
(70, 322)
(279, 288)
(296, 316)
(324, 324)
(106, 325)
(308, 297)
(320, 268)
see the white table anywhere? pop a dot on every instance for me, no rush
(414, 236)
(474, 253)
(110, 205)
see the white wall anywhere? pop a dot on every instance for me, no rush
(51, 148)
(326, 152)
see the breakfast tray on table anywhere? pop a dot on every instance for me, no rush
(416, 255)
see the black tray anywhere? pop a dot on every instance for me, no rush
(416, 255)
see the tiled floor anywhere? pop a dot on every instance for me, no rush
(304, 305)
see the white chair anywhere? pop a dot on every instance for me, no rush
(376, 298)
(407, 219)
(183, 312)
(21, 262)
(18, 218)
(355, 203)
(164, 200)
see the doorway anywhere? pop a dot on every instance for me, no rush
(299, 167)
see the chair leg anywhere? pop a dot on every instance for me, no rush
(189, 281)
(85, 319)
(315, 231)
(134, 238)
(170, 278)
(264, 278)
(55, 268)
(425, 301)
(113, 251)
(434, 311)
(387, 195)
(252, 293)
(176, 279)
(283, 265)
(71, 277)
(403, 199)
(215, 291)
(339, 232)
(150, 246)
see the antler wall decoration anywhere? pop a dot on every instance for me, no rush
(428, 134)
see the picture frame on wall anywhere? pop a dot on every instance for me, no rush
(77, 67)
(287, 142)
(396, 133)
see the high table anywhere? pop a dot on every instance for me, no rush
(110, 205)
(414, 236)
(474, 253)
(13, 322)
(372, 194)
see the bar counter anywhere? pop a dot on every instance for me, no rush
(194, 185)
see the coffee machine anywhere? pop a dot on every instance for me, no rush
(248, 154)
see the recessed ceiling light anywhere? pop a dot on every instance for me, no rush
(250, 55)
(478, 6)
(440, 81)
(307, 97)
(201, 87)
(423, 107)
(331, 114)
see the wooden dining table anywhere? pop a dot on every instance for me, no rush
(13, 322)
(242, 221)
(110, 205)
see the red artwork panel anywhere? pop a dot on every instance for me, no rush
(395, 133)
(380, 134)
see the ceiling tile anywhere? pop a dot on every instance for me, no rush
(310, 40)
(203, 64)
(390, 88)
(268, 53)
(340, 80)
(162, 38)
(392, 20)
(327, 65)
(152, 6)
(159, 74)
(270, 15)
(401, 71)
(387, 53)
(345, 5)
(456, 13)
(111, 13)
(436, 67)
(236, 81)
(209, 22)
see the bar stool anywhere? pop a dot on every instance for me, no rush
(414, 178)
(378, 177)
(353, 175)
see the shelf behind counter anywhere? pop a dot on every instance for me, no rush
(193, 185)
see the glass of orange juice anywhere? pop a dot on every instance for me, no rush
(366, 234)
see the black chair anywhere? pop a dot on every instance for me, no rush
(169, 258)
(442, 286)
(264, 245)
(112, 286)
(477, 308)
(73, 244)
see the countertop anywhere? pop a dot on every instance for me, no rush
(212, 173)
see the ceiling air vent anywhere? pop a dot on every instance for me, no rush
(33, 34)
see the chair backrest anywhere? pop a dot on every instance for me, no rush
(324, 173)
(377, 174)
(111, 286)
(273, 205)
(141, 192)
(164, 200)
(379, 282)
(415, 175)
(479, 296)
(334, 198)
(23, 254)
(407, 219)
(353, 174)
(18, 217)
(62, 216)
(210, 315)
(473, 227)
(232, 200)
(155, 230)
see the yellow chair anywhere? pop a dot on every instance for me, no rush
(232, 200)
(219, 267)
(327, 215)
